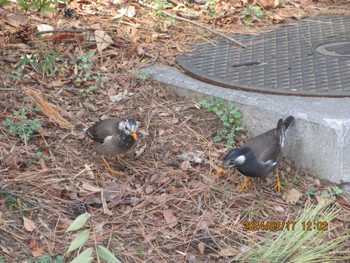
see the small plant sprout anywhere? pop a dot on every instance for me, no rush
(143, 75)
(80, 240)
(252, 14)
(230, 118)
(312, 191)
(209, 8)
(46, 258)
(21, 125)
(85, 74)
(85, 61)
(88, 92)
(161, 5)
(296, 181)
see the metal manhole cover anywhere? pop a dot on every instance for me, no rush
(310, 57)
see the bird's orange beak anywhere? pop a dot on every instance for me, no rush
(220, 171)
(134, 135)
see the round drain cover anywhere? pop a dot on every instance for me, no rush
(310, 57)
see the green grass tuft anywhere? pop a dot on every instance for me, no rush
(301, 245)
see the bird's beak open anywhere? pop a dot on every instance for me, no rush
(220, 171)
(134, 135)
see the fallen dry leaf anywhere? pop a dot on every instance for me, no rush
(43, 164)
(2, 117)
(172, 190)
(118, 97)
(229, 252)
(29, 225)
(103, 40)
(267, 4)
(170, 218)
(91, 188)
(150, 237)
(16, 20)
(291, 196)
(343, 202)
(185, 165)
(196, 157)
(140, 151)
(64, 223)
(201, 248)
(35, 249)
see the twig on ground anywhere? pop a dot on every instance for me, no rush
(63, 31)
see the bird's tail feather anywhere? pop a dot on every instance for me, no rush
(287, 122)
(282, 127)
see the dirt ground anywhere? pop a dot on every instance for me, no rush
(165, 207)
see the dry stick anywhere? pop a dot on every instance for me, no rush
(194, 23)
(62, 31)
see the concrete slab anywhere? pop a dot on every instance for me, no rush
(318, 141)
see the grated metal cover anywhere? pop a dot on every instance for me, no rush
(310, 57)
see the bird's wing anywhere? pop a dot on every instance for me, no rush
(100, 130)
(266, 146)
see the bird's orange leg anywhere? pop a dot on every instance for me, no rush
(120, 160)
(278, 184)
(245, 185)
(109, 168)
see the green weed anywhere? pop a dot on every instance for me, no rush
(158, 239)
(252, 14)
(141, 251)
(80, 240)
(42, 62)
(85, 61)
(209, 8)
(22, 126)
(84, 65)
(143, 75)
(161, 5)
(88, 92)
(300, 245)
(46, 259)
(14, 202)
(230, 118)
(312, 191)
(332, 192)
(38, 156)
(42, 6)
(3, 3)
(296, 181)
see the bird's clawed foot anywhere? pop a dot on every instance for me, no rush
(245, 185)
(278, 184)
(110, 169)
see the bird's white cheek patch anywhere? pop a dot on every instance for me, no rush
(240, 159)
(107, 139)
